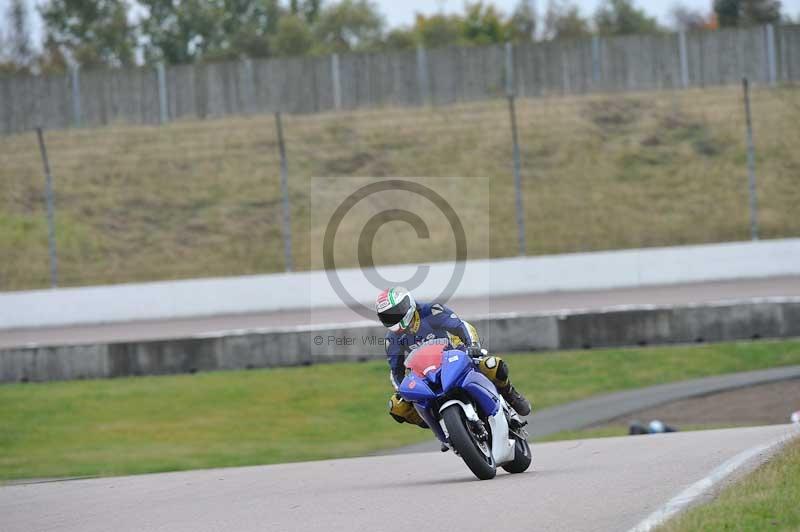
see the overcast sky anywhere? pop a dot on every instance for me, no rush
(401, 12)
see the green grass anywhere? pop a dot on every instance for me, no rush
(202, 198)
(150, 424)
(768, 499)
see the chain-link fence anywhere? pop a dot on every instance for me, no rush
(441, 76)
(203, 198)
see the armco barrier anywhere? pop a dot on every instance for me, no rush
(763, 318)
(482, 278)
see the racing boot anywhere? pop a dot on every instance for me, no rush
(404, 412)
(515, 399)
(496, 369)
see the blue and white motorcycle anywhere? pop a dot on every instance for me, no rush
(465, 410)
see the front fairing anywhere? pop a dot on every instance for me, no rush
(456, 372)
(455, 365)
(415, 389)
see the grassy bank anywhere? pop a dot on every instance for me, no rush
(768, 499)
(149, 424)
(202, 198)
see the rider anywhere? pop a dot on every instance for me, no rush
(411, 323)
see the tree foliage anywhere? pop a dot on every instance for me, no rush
(483, 24)
(522, 24)
(746, 12)
(349, 25)
(688, 19)
(180, 32)
(293, 37)
(91, 33)
(564, 21)
(621, 17)
(439, 30)
(103, 32)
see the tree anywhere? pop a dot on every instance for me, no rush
(91, 33)
(308, 9)
(401, 39)
(348, 25)
(745, 12)
(483, 24)
(293, 37)
(564, 21)
(181, 32)
(18, 40)
(522, 24)
(439, 30)
(177, 32)
(727, 12)
(687, 19)
(621, 17)
(761, 11)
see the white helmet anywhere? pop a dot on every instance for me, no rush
(395, 308)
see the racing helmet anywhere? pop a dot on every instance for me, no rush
(395, 308)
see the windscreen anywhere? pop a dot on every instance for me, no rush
(426, 358)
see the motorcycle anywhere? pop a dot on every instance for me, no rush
(465, 411)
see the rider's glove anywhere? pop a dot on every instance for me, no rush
(475, 350)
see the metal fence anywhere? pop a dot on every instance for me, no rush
(595, 172)
(766, 55)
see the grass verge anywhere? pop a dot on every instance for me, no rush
(767, 499)
(202, 198)
(151, 424)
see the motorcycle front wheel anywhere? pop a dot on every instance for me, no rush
(476, 454)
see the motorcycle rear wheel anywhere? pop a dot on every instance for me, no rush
(467, 445)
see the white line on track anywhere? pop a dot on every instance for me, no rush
(703, 487)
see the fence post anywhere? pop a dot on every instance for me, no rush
(163, 109)
(249, 89)
(565, 81)
(510, 82)
(751, 164)
(596, 60)
(50, 201)
(772, 67)
(422, 76)
(287, 212)
(684, 59)
(512, 109)
(337, 82)
(75, 85)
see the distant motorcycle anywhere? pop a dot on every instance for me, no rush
(465, 410)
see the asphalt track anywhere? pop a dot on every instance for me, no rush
(164, 329)
(599, 408)
(598, 485)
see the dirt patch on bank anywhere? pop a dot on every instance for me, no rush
(766, 404)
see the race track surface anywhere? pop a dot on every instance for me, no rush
(598, 485)
(165, 329)
(600, 408)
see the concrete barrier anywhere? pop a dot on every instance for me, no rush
(311, 290)
(763, 318)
